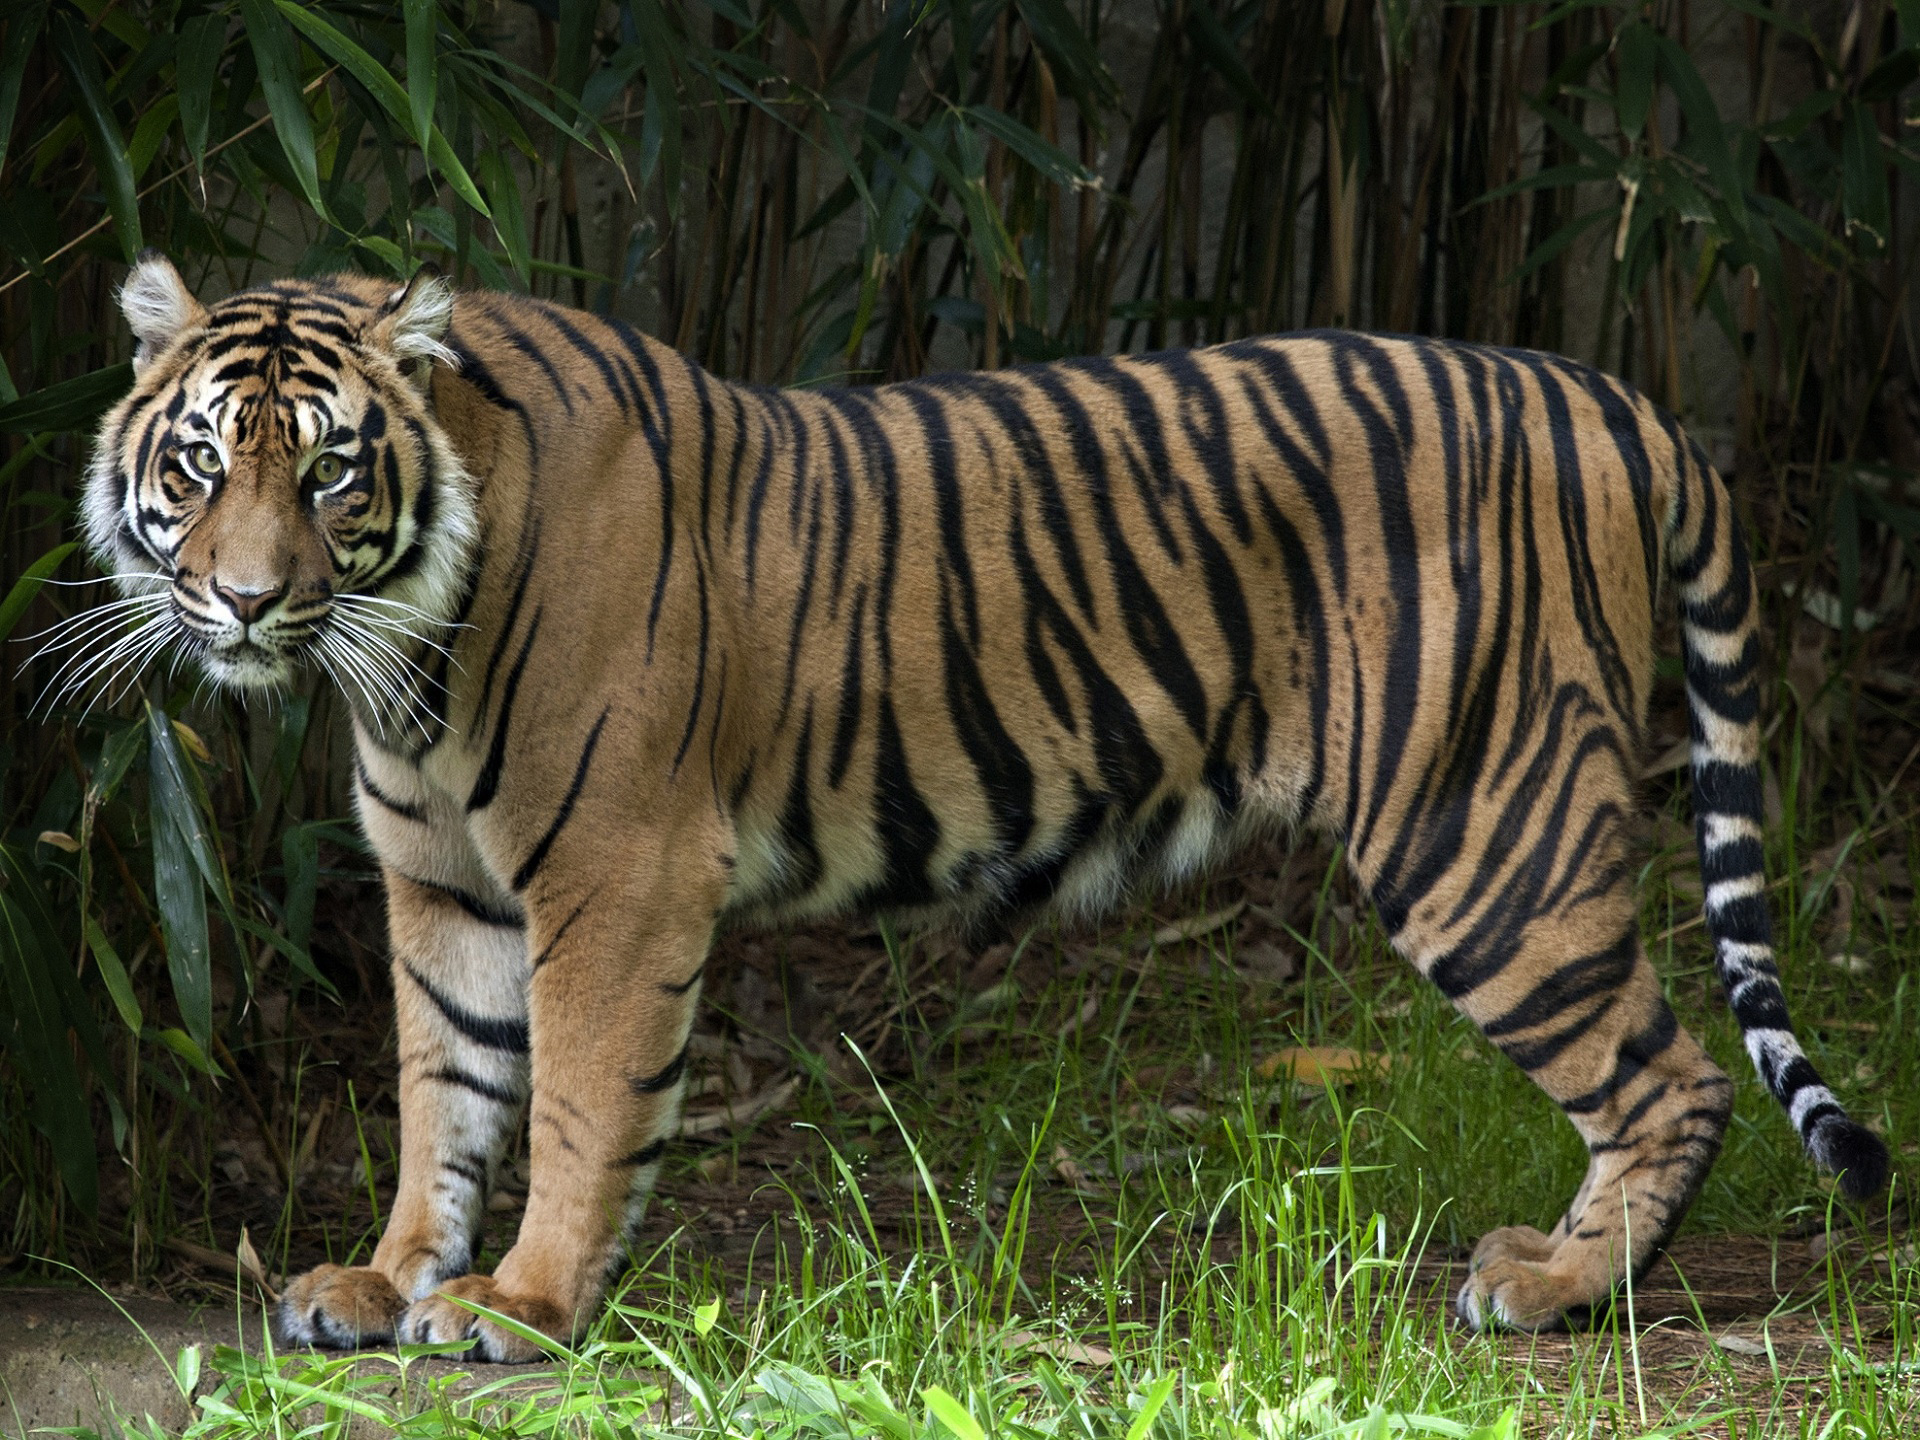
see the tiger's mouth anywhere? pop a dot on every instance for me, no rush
(250, 664)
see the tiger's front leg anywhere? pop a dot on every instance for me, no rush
(460, 1004)
(615, 981)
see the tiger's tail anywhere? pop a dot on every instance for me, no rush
(1719, 618)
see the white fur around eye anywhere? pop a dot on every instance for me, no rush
(191, 442)
(339, 482)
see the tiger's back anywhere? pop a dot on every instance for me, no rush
(968, 645)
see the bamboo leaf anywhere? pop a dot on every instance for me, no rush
(28, 585)
(70, 405)
(22, 30)
(277, 53)
(1636, 55)
(74, 48)
(151, 132)
(1211, 38)
(660, 120)
(1558, 241)
(1052, 162)
(509, 222)
(34, 1024)
(202, 41)
(178, 885)
(1707, 137)
(1075, 61)
(1863, 190)
(1892, 75)
(379, 83)
(114, 975)
(423, 67)
(574, 43)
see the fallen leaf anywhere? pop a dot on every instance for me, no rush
(1265, 961)
(1198, 925)
(60, 840)
(703, 1122)
(1067, 1168)
(1740, 1344)
(1074, 1352)
(1674, 757)
(1321, 1065)
(1080, 1017)
(250, 1263)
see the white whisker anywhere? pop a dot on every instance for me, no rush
(99, 645)
(396, 669)
(130, 667)
(92, 616)
(124, 654)
(121, 578)
(350, 676)
(356, 597)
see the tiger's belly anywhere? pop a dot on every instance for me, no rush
(969, 817)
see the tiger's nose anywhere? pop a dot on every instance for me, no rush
(248, 605)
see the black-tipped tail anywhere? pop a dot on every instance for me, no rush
(1853, 1152)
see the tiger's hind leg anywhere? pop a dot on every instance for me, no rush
(1546, 959)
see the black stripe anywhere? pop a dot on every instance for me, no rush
(488, 785)
(1151, 633)
(560, 930)
(523, 343)
(803, 869)
(936, 444)
(663, 1079)
(531, 866)
(386, 802)
(486, 1031)
(905, 826)
(645, 1155)
(467, 1080)
(529, 549)
(700, 663)
(471, 1167)
(476, 907)
(852, 697)
(1006, 778)
(593, 354)
(685, 985)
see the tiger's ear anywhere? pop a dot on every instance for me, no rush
(412, 325)
(158, 306)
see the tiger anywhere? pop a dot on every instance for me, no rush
(636, 656)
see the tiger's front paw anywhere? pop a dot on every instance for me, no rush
(1517, 1295)
(437, 1319)
(339, 1308)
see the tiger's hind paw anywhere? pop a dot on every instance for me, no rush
(438, 1319)
(339, 1308)
(1512, 1283)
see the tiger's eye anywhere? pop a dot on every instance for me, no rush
(204, 460)
(328, 468)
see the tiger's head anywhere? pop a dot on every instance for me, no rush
(275, 489)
